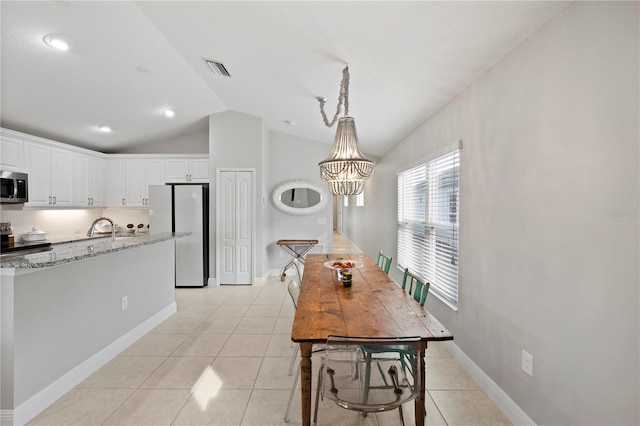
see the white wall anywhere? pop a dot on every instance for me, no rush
(549, 217)
(237, 140)
(293, 158)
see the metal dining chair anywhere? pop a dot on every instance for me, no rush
(384, 261)
(383, 384)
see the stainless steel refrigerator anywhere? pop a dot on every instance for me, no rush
(184, 208)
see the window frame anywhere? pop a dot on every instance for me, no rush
(421, 218)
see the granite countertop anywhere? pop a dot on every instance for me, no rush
(62, 253)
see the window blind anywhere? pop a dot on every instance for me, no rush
(428, 206)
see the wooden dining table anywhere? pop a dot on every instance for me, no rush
(374, 306)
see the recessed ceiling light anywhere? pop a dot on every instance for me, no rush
(56, 42)
(143, 70)
(168, 112)
(104, 129)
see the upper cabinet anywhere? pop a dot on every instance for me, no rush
(50, 172)
(140, 174)
(89, 181)
(116, 183)
(180, 170)
(129, 180)
(62, 175)
(11, 154)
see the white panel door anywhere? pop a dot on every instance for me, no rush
(236, 227)
(244, 227)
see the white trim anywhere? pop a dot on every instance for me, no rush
(450, 147)
(493, 391)
(41, 400)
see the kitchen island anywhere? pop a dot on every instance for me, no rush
(66, 312)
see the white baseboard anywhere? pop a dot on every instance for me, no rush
(41, 400)
(493, 391)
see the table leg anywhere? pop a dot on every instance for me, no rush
(420, 406)
(305, 382)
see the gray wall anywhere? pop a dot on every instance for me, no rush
(549, 217)
(293, 158)
(241, 140)
(68, 313)
(238, 140)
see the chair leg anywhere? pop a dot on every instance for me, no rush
(293, 392)
(367, 379)
(315, 410)
(293, 358)
(401, 416)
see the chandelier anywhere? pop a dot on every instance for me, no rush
(346, 168)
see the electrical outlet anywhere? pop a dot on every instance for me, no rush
(281, 253)
(125, 302)
(527, 363)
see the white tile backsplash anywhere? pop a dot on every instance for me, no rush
(66, 222)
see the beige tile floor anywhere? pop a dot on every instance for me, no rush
(223, 359)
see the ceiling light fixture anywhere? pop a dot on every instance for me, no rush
(346, 168)
(168, 113)
(104, 129)
(56, 42)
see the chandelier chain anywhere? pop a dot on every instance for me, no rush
(343, 99)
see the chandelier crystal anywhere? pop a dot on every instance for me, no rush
(346, 168)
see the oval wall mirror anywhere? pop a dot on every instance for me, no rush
(299, 197)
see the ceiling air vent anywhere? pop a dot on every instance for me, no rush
(218, 68)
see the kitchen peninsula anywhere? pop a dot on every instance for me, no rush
(66, 312)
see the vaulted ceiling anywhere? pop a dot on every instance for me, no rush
(130, 60)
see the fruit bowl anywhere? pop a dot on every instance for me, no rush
(343, 264)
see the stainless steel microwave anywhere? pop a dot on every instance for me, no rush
(14, 187)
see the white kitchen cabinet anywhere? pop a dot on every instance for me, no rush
(129, 180)
(136, 181)
(96, 176)
(180, 170)
(116, 183)
(89, 183)
(11, 154)
(50, 172)
(140, 174)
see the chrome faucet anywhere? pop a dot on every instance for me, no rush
(113, 228)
